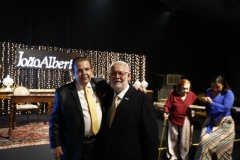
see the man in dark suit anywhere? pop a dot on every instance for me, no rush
(72, 130)
(129, 128)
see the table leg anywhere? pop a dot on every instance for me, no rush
(11, 119)
(14, 118)
(49, 105)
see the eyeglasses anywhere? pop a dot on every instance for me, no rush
(120, 74)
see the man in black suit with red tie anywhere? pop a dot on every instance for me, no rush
(129, 125)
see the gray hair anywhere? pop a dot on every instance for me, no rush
(121, 63)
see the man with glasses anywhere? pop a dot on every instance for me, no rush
(129, 125)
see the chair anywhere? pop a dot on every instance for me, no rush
(27, 107)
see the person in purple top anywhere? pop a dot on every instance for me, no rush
(218, 132)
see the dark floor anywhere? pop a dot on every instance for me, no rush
(42, 152)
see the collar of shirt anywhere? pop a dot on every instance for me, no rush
(80, 87)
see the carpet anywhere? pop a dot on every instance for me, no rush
(24, 135)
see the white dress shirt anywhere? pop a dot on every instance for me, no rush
(85, 109)
(120, 96)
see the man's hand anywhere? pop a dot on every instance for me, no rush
(56, 152)
(140, 89)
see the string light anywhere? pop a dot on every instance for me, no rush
(3, 60)
(38, 79)
(48, 79)
(18, 76)
(2, 70)
(22, 77)
(137, 68)
(143, 67)
(2, 106)
(8, 57)
(108, 57)
(42, 79)
(11, 64)
(26, 77)
(31, 79)
(8, 106)
(53, 78)
(71, 76)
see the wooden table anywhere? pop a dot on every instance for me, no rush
(4, 94)
(32, 98)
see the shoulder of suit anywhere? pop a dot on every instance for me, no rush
(132, 89)
(95, 80)
(69, 86)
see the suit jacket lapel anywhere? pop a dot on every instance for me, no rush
(76, 99)
(108, 109)
(122, 106)
(92, 82)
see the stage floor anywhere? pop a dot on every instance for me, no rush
(45, 151)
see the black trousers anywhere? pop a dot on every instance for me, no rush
(89, 152)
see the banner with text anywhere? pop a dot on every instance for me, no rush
(40, 59)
